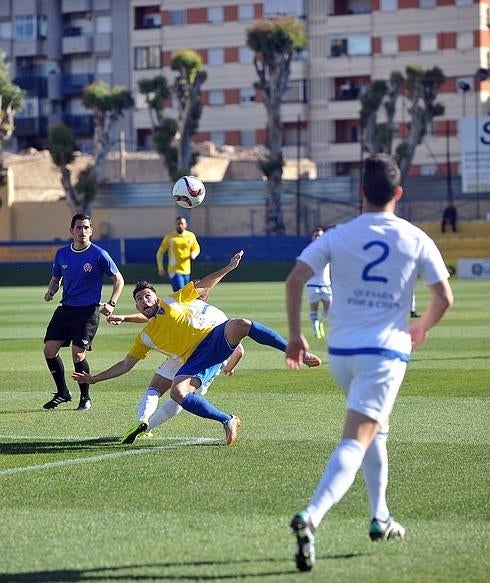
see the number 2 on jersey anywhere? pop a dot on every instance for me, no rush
(384, 252)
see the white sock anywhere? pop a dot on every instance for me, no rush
(165, 412)
(313, 318)
(148, 403)
(337, 478)
(375, 469)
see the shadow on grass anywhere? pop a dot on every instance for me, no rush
(120, 573)
(93, 445)
(28, 447)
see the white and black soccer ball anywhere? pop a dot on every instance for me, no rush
(189, 192)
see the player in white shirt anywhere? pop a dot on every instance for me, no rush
(319, 292)
(375, 259)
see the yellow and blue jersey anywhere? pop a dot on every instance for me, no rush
(179, 247)
(175, 330)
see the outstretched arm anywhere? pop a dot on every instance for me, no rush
(116, 370)
(207, 283)
(117, 319)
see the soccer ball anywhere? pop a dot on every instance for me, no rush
(189, 192)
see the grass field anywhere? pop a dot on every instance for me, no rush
(77, 506)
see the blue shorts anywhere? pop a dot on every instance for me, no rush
(178, 280)
(212, 351)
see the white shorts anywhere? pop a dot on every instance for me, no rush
(168, 369)
(316, 293)
(370, 383)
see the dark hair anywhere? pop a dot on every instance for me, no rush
(80, 217)
(142, 285)
(380, 178)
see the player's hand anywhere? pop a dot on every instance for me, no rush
(418, 334)
(228, 372)
(115, 319)
(48, 296)
(83, 377)
(295, 351)
(106, 309)
(235, 260)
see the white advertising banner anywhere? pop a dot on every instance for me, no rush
(474, 268)
(474, 134)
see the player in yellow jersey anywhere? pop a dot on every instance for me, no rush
(172, 330)
(181, 247)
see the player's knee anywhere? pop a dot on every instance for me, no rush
(240, 327)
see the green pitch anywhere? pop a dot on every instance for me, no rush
(77, 506)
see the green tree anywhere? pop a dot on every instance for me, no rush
(274, 43)
(11, 100)
(173, 136)
(157, 92)
(108, 105)
(420, 89)
(187, 89)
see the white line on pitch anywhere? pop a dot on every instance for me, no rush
(107, 456)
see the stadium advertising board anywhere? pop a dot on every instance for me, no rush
(475, 154)
(474, 268)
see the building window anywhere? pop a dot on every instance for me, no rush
(216, 97)
(147, 17)
(428, 3)
(464, 40)
(245, 55)
(215, 14)
(389, 45)
(428, 43)
(246, 12)
(178, 17)
(30, 108)
(5, 30)
(428, 170)
(216, 56)
(217, 138)
(352, 45)
(274, 8)
(295, 93)
(247, 138)
(247, 95)
(147, 57)
(388, 5)
(103, 24)
(103, 66)
(26, 27)
(464, 2)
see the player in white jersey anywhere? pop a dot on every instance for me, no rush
(148, 416)
(319, 292)
(376, 259)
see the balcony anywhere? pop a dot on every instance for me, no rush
(68, 6)
(74, 43)
(30, 126)
(73, 84)
(33, 84)
(82, 125)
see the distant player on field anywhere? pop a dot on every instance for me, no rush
(319, 292)
(376, 259)
(181, 247)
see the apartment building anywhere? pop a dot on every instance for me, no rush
(55, 48)
(351, 43)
